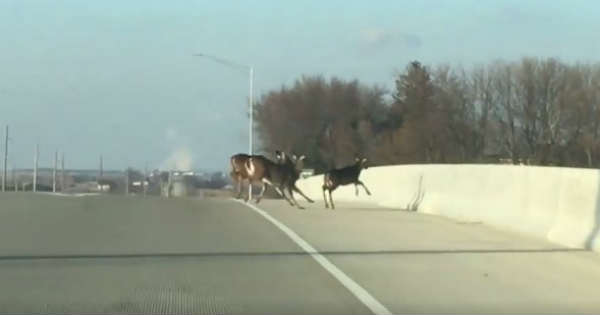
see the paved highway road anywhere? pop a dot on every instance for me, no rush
(133, 255)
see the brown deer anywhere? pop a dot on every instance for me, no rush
(280, 175)
(344, 176)
(238, 170)
(297, 163)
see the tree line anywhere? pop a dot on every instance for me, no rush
(532, 111)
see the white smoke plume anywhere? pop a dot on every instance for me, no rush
(181, 159)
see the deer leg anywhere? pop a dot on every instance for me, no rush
(325, 197)
(239, 180)
(248, 197)
(262, 192)
(236, 190)
(365, 187)
(266, 181)
(281, 193)
(296, 189)
(282, 189)
(293, 198)
(331, 200)
(276, 188)
(235, 177)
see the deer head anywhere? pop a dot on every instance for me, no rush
(298, 162)
(361, 162)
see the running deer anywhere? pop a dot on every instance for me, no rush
(238, 170)
(344, 176)
(297, 164)
(280, 175)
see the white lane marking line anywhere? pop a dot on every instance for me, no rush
(365, 297)
(67, 195)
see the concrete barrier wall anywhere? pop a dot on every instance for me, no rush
(558, 204)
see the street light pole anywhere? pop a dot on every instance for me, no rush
(251, 125)
(250, 69)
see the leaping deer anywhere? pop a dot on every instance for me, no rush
(280, 175)
(344, 176)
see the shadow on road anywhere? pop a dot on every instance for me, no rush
(290, 253)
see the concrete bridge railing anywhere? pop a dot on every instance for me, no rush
(561, 205)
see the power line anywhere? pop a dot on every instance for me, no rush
(228, 63)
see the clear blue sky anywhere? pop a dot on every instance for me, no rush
(117, 77)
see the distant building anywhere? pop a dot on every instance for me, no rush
(139, 183)
(307, 172)
(181, 184)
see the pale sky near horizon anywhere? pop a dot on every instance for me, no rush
(118, 78)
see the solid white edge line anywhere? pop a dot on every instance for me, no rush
(365, 297)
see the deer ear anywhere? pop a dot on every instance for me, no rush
(364, 160)
(302, 157)
(294, 157)
(356, 159)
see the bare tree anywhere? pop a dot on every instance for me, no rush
(482, 91)
(538, 110)
(588, 103)
(506, 112)
(329, 121)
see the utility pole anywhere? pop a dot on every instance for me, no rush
(14, 176)
(144, 186)
(251, 126)
(127, 181)
(101, 170)
(5, 159)
(54, 171)
(169, 183)
(62, 172)
(35, 166)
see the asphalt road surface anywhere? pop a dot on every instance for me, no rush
(97, 254)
